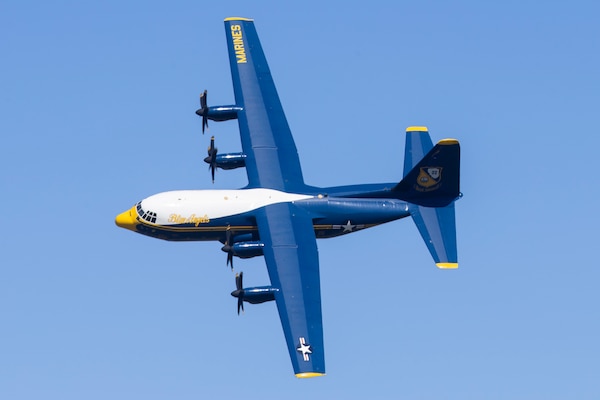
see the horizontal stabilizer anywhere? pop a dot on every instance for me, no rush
(437, 226)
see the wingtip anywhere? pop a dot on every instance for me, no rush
(447, 265)
(304, 375)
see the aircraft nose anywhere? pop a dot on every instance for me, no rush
(127, 219)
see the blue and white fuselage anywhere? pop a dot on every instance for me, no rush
(203, 215)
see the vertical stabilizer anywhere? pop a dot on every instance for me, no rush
(418, 143)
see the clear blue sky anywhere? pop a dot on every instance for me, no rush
(97, 109)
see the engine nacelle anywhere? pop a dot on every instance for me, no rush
(248, 249)
(256, 295)
(229, 160)
(220, 113)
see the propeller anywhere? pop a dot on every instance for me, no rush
(203, 110)
(211, 160)
(239, 291)
(228, 247)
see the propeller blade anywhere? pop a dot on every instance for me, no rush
(239, 292)
(239, 281)
(228, 247)
(211, 148)
(203, 111)
(203, 98)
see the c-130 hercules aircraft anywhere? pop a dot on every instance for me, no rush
(280, 217)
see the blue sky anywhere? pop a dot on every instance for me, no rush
(97, 109)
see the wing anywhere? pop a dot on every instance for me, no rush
(293, 263)
(271, 156)
(290, 246)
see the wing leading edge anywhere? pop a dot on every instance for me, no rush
(271, 157)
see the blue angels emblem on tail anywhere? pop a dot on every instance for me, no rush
(429, 178)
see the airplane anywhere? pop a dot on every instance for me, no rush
(280, 217)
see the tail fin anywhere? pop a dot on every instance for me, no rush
(433, 181)
(431, 184)
(418, 143)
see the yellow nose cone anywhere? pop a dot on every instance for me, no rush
(127, 219)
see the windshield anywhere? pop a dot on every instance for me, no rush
(147, 216)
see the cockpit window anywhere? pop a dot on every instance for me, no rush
(148, 216)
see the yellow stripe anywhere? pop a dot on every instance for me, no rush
(417, 129)
(309, 375)
(447, 265)
(448, 141)
(238, 19)
(202, 228)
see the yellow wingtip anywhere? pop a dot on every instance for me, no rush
(417, 129)
(448, 141)
(447, 265)
(238, 19)
(309, 375)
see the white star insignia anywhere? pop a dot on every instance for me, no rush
(305, 349)
(348, 227)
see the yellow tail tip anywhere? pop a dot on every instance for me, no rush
(447, 265)
(417, 129)
(448, 141)
(309, 375)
